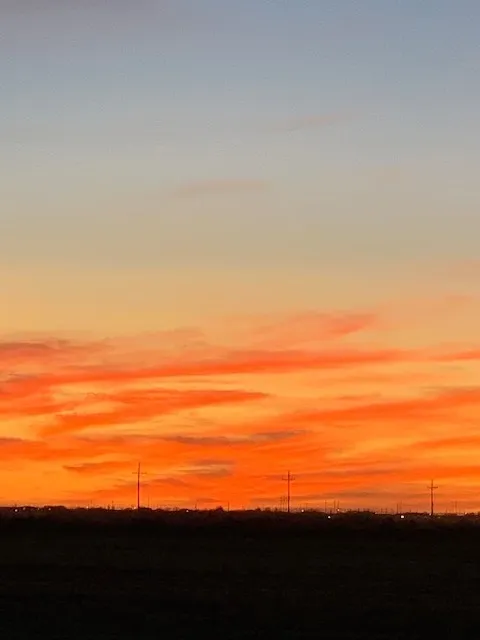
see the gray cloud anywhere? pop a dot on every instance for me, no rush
(212, 471)
(277, 436)
(199, 440)
(209, 462)
(267, 436)
(219, 187)
(22, 7)
(315, 121)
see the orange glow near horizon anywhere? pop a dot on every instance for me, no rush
(340, 399)
(239, 239)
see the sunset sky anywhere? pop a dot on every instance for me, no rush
(237, 238)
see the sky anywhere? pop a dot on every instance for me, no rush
(237, 239)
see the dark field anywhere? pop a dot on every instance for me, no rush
(139, 581)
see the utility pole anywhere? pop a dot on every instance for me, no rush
(138, 485)
(432, 489)
(139, 474)
(289, 479)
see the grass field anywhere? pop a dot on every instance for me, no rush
(141, 584)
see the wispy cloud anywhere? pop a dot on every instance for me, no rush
(311, 327)
(41, 6)
(213, 470)
(283, 392)
(451, 443)
(144, 405)
(223, 362)
(413, 409)
(44, 351)
(239, 439)
(97, 468)
(314, 121)
(221, 187)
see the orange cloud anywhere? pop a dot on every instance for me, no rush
(239, 362)
(44, 352)
(450, 444)
(459, 356)
(137, 406)
(294, 330)
(96, 468)
(17, 388)
(283, 393)
(416, 409)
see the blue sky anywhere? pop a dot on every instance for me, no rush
(351, 113)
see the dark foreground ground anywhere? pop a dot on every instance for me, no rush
(144, 583)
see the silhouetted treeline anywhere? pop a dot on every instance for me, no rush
(220, 522)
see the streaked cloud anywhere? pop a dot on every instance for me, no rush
(221, 187)
(144, 405)
(97, 468)
(41, 6)
(226, 362)
(239, 439)
(327, 394)
(293, 330)
(314, 121)
(44, 351)
(416, 409)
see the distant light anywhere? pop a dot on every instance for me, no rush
(402, 517)
(329, 517)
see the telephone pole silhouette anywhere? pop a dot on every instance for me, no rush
(139, 474)
(289, 479)
(432, 490)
